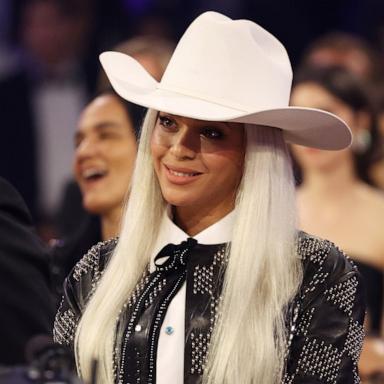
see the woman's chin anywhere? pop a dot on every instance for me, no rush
(96, 206)
(179, 200)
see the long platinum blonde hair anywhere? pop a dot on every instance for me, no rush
(262, 275)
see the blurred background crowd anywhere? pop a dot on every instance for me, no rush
(68, 142)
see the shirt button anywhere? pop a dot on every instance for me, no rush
(169, 330)
(138, 328)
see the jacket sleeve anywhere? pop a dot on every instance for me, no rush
(77, 290)
(327, 326)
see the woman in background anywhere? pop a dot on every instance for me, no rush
(105, 152)
(336, 199)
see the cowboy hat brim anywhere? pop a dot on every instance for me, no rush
(304, 126)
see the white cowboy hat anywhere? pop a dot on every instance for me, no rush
(227, 70)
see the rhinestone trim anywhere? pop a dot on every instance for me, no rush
(65, 327)
(354, 342)
(343, 295)
(90, 261)
(320, 360)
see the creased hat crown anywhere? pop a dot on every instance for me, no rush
(235, 63)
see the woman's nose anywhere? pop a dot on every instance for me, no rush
(87, 148)
(185, 144)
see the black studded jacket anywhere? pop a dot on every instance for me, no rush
(324, 321)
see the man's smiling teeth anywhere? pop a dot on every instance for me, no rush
(182, 174)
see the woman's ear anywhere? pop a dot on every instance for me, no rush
(363, 120)
(361, 132)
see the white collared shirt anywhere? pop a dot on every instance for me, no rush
(170, 350)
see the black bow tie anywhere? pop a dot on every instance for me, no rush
(172, 257)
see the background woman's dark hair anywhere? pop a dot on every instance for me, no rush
(135, 113)
(351, 90)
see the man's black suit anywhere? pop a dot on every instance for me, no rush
(18, 137)
(26, 305)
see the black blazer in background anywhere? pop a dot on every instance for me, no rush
(18, 141)
(26, 305)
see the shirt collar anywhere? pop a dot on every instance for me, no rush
(218, 233)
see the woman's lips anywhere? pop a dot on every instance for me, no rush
(91, 178)
(180, 176)
(91, 173)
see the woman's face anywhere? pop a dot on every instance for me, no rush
(199, 164)
(105, 153)
(313, 95)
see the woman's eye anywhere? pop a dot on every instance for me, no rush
(105, 135)
(212, 133)
(166, 122)
(77, 143)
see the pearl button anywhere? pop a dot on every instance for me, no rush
(138, 328)
(169, 330)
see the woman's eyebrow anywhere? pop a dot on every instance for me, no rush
(97, 127)
(105, 125)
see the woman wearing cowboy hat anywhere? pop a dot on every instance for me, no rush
(210, 281)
